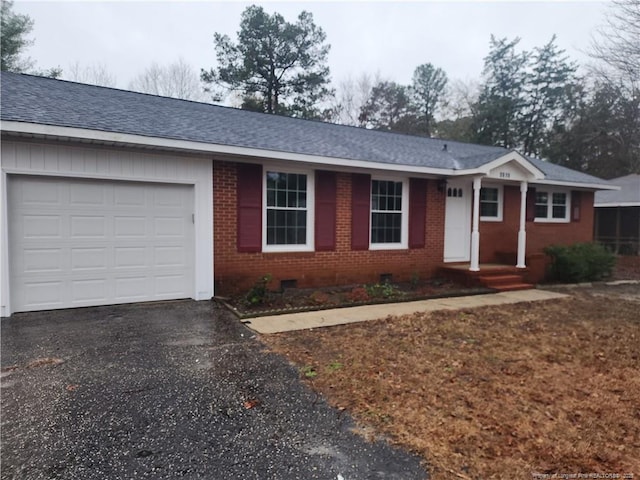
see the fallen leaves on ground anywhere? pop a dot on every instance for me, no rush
(494, 392)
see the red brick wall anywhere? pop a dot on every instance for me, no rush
(502, 237)
(236, 272)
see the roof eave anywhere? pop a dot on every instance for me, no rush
(127, 139)
(617, 204)
(588, 186)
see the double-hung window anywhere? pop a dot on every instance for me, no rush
(288, 222)
(389, 214)
(552, 206)
(491, 204)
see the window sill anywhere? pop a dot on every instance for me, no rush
(551, 220)
(491, 219)
(388, 246)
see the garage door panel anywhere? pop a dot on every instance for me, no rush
(89, 259)
(169, 227)
(129, 196)
(168, 285)
(89, 290)
(42, 226)
(102, 242)
(43, 260)
(130, 227)
(41, 193)
(86, 194)
(84, 226)
(174, 256)
(130, 257)
(131, 288)
(44, 294)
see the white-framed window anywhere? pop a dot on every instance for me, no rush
(491, 203)
(389, 213)
(288, 221)
(552, 205)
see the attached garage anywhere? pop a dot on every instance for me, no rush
(89, 226)
(77, 242)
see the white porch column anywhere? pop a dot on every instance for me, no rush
(522, 233)
(475, 232)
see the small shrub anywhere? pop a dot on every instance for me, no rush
(580, 262)
(259, 292)
(382, 290)
(358, 294)
(319, 297)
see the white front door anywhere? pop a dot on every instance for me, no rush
(457, 221)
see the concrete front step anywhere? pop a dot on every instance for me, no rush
(494, 280)
(512, 287)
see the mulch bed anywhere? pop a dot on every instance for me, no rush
(300, 300)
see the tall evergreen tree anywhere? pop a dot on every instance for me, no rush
(601, 135)
(13, 33)
(276, 66)
(549, 91)
(390, 107)
(429, 84)
(499, 110)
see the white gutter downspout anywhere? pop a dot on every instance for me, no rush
(475, 232)
(522, 233)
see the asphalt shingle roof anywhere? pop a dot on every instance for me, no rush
(629, 192)
(47, 101)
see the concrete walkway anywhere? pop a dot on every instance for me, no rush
(340, 316)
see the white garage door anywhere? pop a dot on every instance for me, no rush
(79, 242)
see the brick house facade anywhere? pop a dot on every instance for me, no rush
(342, 263)
(112, 196)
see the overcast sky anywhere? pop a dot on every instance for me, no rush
(387, 37)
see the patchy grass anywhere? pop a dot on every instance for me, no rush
(494, 392)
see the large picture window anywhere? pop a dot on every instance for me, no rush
(388, 214)
(287, 215)
(552, 206)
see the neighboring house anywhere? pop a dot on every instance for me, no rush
(111, 196)
(617, 216)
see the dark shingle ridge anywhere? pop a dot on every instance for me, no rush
(42, 100)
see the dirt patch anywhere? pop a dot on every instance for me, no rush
(494, 392)
(627, 268)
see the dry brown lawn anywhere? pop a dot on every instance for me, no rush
(495, 392)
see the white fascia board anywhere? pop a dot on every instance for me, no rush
(191, 146)
(511, 157)
(586, 186)
(617, 204)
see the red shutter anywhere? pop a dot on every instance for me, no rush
(326, 197)
(417, 212)
(576, 201)
(360, 211)
(249, 198)
(531, 205)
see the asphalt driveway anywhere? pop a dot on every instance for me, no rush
(174, 390)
